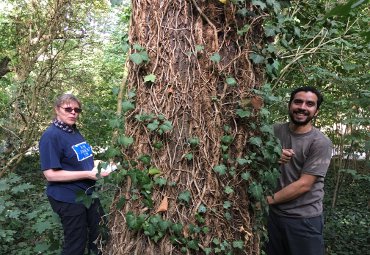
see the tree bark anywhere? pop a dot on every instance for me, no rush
(191, 91)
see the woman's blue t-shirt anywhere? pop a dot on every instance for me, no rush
(68, 151)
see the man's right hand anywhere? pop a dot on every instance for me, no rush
(286, 155)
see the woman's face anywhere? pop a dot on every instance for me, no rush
(67, 112)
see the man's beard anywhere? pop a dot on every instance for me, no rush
(300, 123)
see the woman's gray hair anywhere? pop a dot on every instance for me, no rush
(65, 99)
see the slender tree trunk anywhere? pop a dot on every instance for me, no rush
(190, 91)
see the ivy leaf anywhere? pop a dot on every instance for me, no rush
(227, 139)
(255, 189)
(256, 58)
(125, 141)
(41, 227)
(202, 208)
(145, 158)
(259, 3)
(115, 123)
(220, 169)
(138, 47)
(136, 58)
(153, 125)
(216, 58)
(239, 244)
(184, 196)
(194, 141)
(177, 229)
(231, 81)
(160, 181)
(216, 241)
(131, 94)
(228, 190)
(243, 113)
(143, 117)
(21, 188)
(199, 48)
(243, 30)
(189, 156)
(193, 244)
(154, 171)
(127, 106)
(166, 126)
(227, 204)
(243, 161)
(150, 78)
(246, 176)
(256, 140)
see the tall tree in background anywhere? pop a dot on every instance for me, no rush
(192, 130)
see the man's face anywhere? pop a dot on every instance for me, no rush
(303, 108)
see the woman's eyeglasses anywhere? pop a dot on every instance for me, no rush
(70, 109)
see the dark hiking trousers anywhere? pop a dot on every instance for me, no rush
(295, 236)
(80, 226)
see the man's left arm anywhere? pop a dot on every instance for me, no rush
(293, 190)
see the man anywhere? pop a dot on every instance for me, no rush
(295, 225)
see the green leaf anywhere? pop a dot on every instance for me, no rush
(231, 81)
(136, 58)
(216, 241)
(127, 106)
(202, 208)
(256, 140)
(125, 141)
(184, 196)
(158, 145)
(194, 141)
(259, 3)
(138, 47)
(246, 176)
(199, 48)
(154, 171)
(227, 139)
(220, 169)
(244, 30)
(227, 204)
(243, 161)
(256, 58)
(228, 190)
(153, 125)
(345, 9)
(166, 126)
(243, 113)
(216, 58)
(150, 78)
(177, 229)
(238, 244)
(145, 158)
(41, 227)
(115, 123)
(160, 181)
(21, 188)
(189, 156)
(193, 244)
(255, 189)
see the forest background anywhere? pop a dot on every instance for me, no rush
(51, 47)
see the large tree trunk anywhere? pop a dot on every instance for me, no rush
(191, 91)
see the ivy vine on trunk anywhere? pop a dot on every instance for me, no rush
(193, 131)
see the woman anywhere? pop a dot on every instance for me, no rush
(67, 163)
